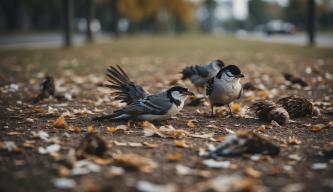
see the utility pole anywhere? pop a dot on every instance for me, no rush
(89, 18)
(311, 22)
(68, 21)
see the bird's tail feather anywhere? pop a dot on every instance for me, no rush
(187, 72)
(112, 117)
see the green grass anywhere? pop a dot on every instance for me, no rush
(162, 54)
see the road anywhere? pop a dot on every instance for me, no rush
(46, 40)
(297, 39)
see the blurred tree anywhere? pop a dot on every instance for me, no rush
(89, 16)
(295, 12)
(257, 12)
(311, 24)
(68, 21)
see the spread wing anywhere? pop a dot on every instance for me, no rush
(125, 90)
(210, 86)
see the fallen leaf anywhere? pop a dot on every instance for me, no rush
(138, 162)
(249, 171)
(184, 170)
(212, 126)
(317, 128)
(211, 163)
(14, 133)
(49, 149)
(146, 186)
(64, 183)
(181, 144)
(150, 145)
(294, 141)
(133, 144)
(263, 94)
(74, 129)
(60, 123)
(190, 123)
(90, 129)
(174, 157)
(236, 107)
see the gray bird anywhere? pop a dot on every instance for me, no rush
(225, 87)
(200, 74)
(141, 105)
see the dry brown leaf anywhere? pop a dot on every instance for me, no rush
(181, 143)
(263, 94)
(190, 123)
(174, 157)
(90, 129)
(138, 162)
(249, 171)
(220, 138)
(14, 133)
(236, 107)
(317, 128)
(111, 129)
(60, 123)
(293, 141)
(212, 126)
(74, 129)
(150, 145)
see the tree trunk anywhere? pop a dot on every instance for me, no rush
(68, 21)
(89, 17)
(115, 18)
(311, 24)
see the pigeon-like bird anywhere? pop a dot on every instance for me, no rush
(225, 87)
(47, 89)
(200, 74)
(142, 105)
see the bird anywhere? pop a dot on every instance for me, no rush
(200, 74)
(268, 111)
(298, 106)
(47, 89)
(225, 87)
(245, 141)
(141, 105)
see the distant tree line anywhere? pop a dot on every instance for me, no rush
(261, 11)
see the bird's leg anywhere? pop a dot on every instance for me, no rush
(230, 112)
(212, 110)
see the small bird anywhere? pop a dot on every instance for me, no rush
(47, 89)
(245, 141)
(268, 111)
(142, 105)
(200, 74)
(298, 106)
(225, 87)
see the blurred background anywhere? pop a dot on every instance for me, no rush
(54, 23)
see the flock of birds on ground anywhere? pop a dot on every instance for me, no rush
(222, 85)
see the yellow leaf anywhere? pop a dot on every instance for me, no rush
(263, 94)
(212, 126)
(236, 107)
(74, 129)
(60, 123)
(181, 144)
(111, 129)
(90, 129)
(252, 172)
(173, 157)
(190, 123)
(294, 141)
(150, 145)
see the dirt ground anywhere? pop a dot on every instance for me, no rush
(155, 64)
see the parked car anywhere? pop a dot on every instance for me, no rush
(279, 27)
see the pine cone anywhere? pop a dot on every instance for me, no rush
(245, 141)
(297, 106)
(92, 144)
(268, 111)
(47, 89)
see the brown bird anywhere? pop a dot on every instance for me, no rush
(268, 111)
(245, 141)
(297, 106)
(294, 79)
(47, 89)
(92, 144)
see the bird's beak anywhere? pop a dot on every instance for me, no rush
(240, 76)
(189, 93)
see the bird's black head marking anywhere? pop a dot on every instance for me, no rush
(181, 90)
(233, 69)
